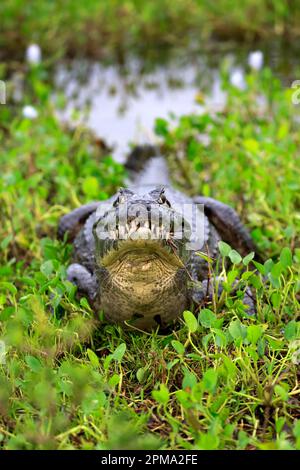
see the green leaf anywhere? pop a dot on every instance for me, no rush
(207, 441)
(210, 379)
(276, 270)
(33, 363)
(191, 321)
(140, 374)
(114, 380)
(261, 268)
(184, 398)
(224, 248)
(179, 348)
(234, 257)
(162, 395)
(8, 286)
(189, 380)
(231, 276)
(279, 423)
(281, 392)
(161, 127)
(207, 318)
(93, 358)
(254, 332)
(6, 241)
(90, 186)
(221, 338)
(118, 354)
(274, 343)
(251, 145)
(248, 258)
(268, 265)
(47, 268)
(276, 299)
(286, 258)
(237, 330)
(291, 330)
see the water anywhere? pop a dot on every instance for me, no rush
(120, 103)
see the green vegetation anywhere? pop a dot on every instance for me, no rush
(96, 28)
(222, 379)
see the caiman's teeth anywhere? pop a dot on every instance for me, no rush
(112, 235)
(133, 225)
(121, 231)
(146, 224)
(144, 233)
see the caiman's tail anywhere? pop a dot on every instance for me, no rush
(147, 166)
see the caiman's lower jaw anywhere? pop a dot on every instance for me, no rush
(134, 250)
(142, 283)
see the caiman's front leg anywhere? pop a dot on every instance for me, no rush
(228, 225)
(86, 282)
(74, 221)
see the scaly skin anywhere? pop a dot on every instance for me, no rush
(140, 280)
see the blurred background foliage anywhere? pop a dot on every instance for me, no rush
(98, 28)
(221, 379)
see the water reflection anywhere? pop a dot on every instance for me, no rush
(121, 103)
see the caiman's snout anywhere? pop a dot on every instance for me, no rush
(135, 218)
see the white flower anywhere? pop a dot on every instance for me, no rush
(237, 78)
(256, 60)
(30, 112)
(33, 54)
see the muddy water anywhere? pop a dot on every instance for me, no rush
(120, 103)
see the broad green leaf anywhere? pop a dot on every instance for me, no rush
(224, 248)
(189, 380)
(207, 318)
(254, 332)
(286, 258)
(8, 286)
(277, 270)
(162, 395)
(234, 257)
(276, 299)
(210, 379)
(90, 186)
(237, 330)
(281, 392)
(140, 375)
(291, 330)
(114, 380)
(33, 363)
(248, 258)
(47, 268)
(191, 321)
(179, 348)
(93, 358)
(118, 354)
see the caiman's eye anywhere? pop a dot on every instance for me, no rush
(163, 200)
(120, 200)
(122, 197)
(116, 202)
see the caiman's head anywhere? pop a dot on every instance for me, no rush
(141, 255)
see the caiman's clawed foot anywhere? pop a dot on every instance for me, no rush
(86, 282)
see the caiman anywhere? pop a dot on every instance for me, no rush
(142, 256)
